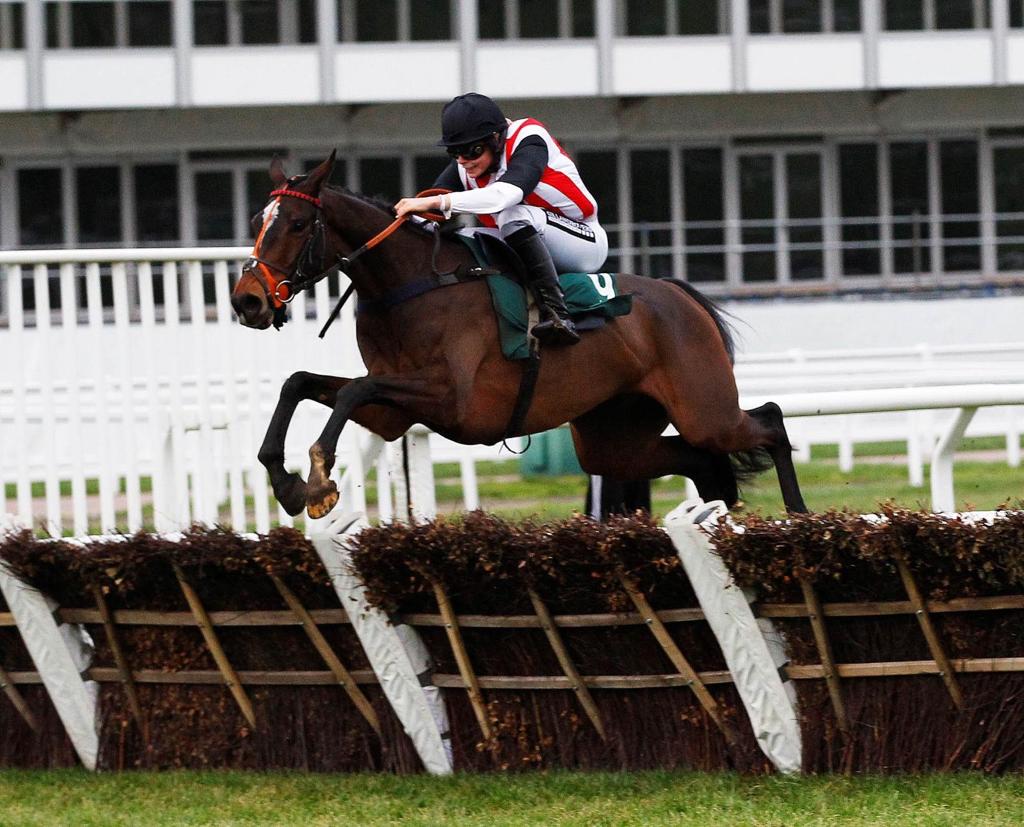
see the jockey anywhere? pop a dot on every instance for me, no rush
(518, 179)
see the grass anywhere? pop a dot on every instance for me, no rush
(979, 485)
(557, 798)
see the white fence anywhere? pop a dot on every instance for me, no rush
(130, 396)
(139, 374)
(923, 366)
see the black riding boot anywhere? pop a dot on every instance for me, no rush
(555, 328)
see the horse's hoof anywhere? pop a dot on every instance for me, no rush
(318, 506)
(291, 494)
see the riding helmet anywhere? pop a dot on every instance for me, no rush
(469, 118)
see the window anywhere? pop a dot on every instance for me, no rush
(98, 207)
(156, 202)
(107, 25)
(757, 214)
(395, 20)
(918, 15)
(704, 209)
(244, 22)
(645, 18)
(600, 172)
(377, 20)
(803, 16)
(958, 164)
(858, 205)
(430, 20)
(12, 25)
(149, 24)
(908, 179)
(1017, 14)
(381, 178)
(804, 213)
(215, 198)
(1008, 162)
(40, 207)
(533, 19)
(426, 168)
(651, 196)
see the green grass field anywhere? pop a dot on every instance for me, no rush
(654, 798)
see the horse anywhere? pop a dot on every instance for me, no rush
(433, 357)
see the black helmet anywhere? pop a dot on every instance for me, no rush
(469, 118)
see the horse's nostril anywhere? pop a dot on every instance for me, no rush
(246, 305)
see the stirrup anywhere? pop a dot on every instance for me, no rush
(555, 332)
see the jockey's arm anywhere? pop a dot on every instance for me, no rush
(525, 167)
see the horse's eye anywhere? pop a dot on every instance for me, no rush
(300, 224)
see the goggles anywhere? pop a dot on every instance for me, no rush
(468, 151)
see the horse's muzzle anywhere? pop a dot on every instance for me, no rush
(252, 310)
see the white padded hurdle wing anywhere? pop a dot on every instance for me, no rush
(60, 655)
(769, 706)
(396, 653)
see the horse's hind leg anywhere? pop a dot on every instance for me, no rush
(622, 439)
(769, 417)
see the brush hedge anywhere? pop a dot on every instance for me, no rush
(486, 566)
(907, 723)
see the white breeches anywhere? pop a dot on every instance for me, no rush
(575, 246)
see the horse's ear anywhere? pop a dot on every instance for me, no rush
(277, 173)
(319, 176)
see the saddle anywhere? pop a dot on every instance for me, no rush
(592, 299)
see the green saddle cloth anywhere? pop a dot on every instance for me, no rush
(593, 296)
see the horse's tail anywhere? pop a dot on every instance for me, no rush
(712, 308)
(745, 464)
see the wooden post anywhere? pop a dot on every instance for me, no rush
(579, 687)
(11, 691)
(219, 657)
(934, 644)
(451, 626)
(120, 660)
(677, 657)
(828, 661)
(327, 653)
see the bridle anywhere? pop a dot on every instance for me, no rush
(296, 279)
(281, 292)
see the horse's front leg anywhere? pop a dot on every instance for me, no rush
(289, 487)
(405, 394)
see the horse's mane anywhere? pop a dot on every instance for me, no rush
(375, 201)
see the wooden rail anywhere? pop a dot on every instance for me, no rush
(811, 671)
(332, 617)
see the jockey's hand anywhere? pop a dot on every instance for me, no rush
(430, 203)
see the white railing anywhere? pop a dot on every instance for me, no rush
(965, 399)
(923, 365)
(138, 399)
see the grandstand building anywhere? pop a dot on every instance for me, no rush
(752, 147)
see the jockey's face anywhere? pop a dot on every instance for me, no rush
(477, 166)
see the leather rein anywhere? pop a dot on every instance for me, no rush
(281, 292)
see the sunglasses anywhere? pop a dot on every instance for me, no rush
(468, 151)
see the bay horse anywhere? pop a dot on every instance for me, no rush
(434, 358)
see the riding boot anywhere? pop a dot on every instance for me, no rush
(556, 327)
